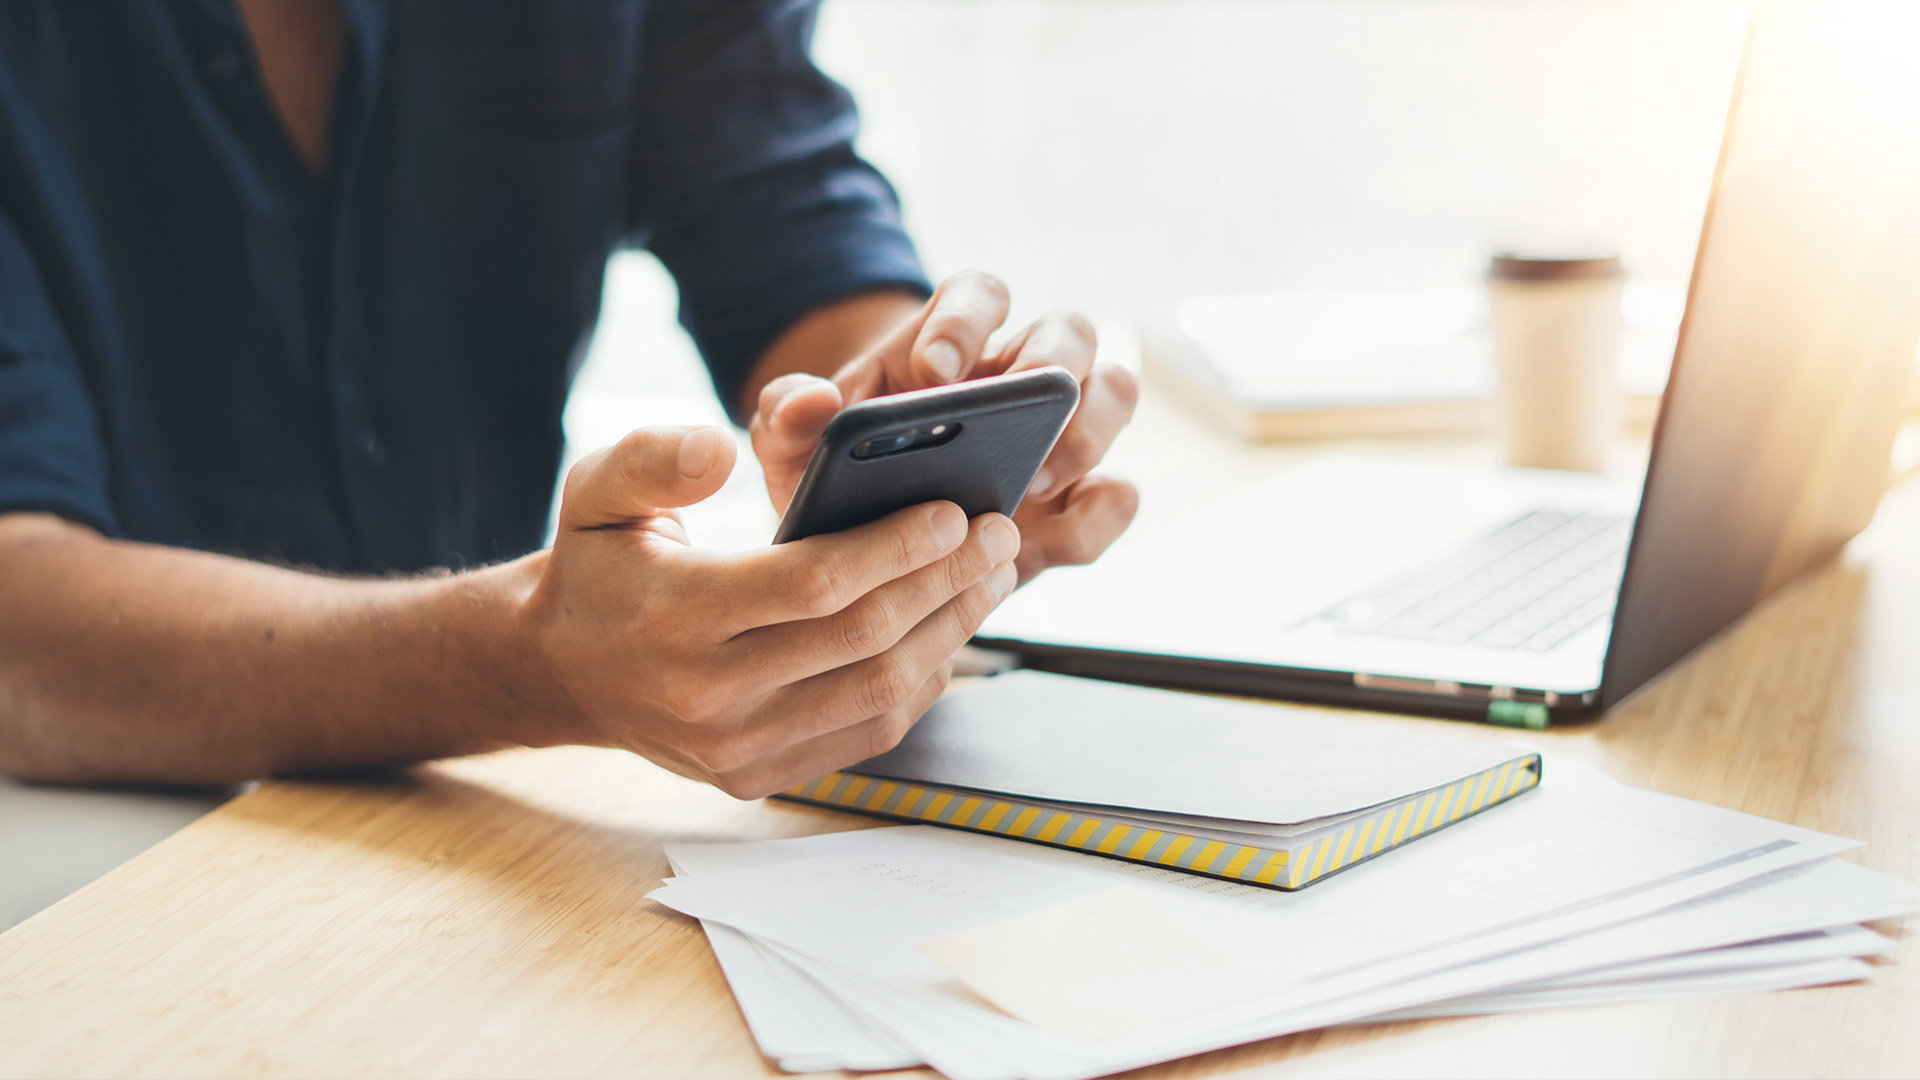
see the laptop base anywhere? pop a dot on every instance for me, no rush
(1524, 708)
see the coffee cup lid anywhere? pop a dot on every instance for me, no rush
(1552, 265)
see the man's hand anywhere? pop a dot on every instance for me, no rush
(758, 670)
(755, 670)
(1069, 516)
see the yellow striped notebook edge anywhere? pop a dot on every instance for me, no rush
(1277, 866)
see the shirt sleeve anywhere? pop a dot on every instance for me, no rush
(51, 454)
(746, 183)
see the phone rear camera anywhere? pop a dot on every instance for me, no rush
(918, 438)
(885, 444)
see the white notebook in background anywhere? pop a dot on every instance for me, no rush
(1322, 365)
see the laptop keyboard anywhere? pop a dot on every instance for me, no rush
(1529, 584)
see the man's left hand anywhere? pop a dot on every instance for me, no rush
(1069, 515)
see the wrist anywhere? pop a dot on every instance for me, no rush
(824, 339)
(519, 696)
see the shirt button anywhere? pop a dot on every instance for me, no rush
(223, 65)
(370, 448)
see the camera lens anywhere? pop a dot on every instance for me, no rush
(884, 444)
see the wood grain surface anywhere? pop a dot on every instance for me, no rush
(488, 916)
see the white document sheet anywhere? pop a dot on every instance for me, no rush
(1778, 964)
(1059, 968)
(1573, 857)
(1744, 981)
(1794, 960)
(1568, 852)
(964, 1045)
(1706, 971)
(795, 1022)
(1832, 943)
(879, 1026)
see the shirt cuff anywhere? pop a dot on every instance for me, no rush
(51, 459)
(814, 267)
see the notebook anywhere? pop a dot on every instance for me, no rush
(1261, 794)
(1288, 367)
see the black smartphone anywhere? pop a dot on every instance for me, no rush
(975, 443)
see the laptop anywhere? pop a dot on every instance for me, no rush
(1525, 596)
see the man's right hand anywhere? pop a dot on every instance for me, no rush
(756, 670)
(760, 669)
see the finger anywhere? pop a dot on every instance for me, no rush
(1107, 400)
(878, 621)
(1073, 528)
(822, 754)
(944, 344)
(649, 471)
(792, 414)
(847, 695)
(820, 575)
(1058, 338)
(830, 704)
(965, 310)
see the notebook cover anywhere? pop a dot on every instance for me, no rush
(1287, 864)
(1057, 739)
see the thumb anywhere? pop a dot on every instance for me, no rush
(651, 471)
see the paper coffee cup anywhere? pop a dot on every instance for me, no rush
(1556, 340)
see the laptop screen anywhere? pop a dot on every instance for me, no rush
(1794, 360)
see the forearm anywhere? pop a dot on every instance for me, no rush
(828, 337)
(125, 661)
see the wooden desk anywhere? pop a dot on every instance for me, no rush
(486, 916)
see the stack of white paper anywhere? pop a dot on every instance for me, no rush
(986, 958)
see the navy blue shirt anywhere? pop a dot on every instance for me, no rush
(201, 344)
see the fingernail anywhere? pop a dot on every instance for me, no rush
(699, 449)
(1001, 580)
(949, 527)
(780, 409)
(1000, 542)
(1042, 481)
(943, 359)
